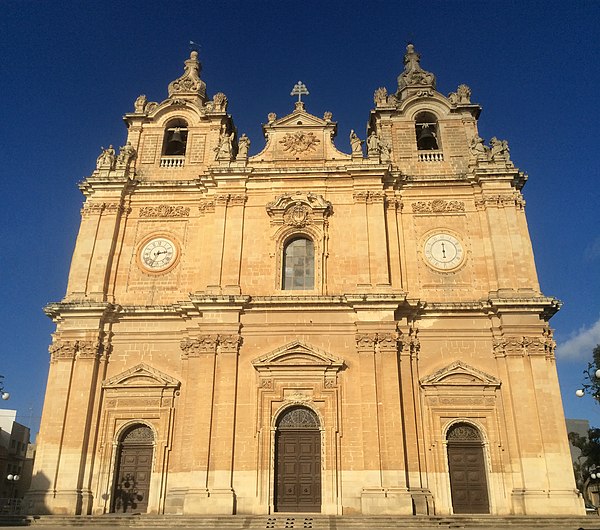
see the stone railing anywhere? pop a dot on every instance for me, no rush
(172, 161)
(431, 156)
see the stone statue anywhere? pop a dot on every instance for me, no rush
(477, 147)
(499, 150)
(223, 148)
(126, 155)
(327, 116)
(356, 144)
(243, 146)
(413, 73)
(106, 160)
(464, 94)
(385, 150)
(140, 104)
(271, 117)
(373, 146)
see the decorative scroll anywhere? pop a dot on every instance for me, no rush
(463, 433)
(298, 418)
(438, 206)
(164, 210)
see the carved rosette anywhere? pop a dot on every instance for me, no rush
(299, 209)
(164, 210)
(438, 206)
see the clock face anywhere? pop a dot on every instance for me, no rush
(444, 251)
(158, 254)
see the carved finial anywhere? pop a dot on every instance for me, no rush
(413, 73)
(189, 85)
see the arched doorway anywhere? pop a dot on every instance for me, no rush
(298, 461)
(133, 470)
(468, 480)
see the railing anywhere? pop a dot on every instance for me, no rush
(431, 156)
(172, 161)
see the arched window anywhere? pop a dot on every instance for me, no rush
(299, 264)
(426, 128)
(175, 141)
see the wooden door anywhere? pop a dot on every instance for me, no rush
(132, 476)
(298, 463)
(468, 480)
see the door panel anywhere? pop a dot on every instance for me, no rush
(468, 481)
(298, 471)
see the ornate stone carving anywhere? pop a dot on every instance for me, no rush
(371, 342)
(477, 148)
(413, 73)
(219, 102)
(204, 344)
(271, 117)
(501, 200)
(327, 116)
(229, 343)
(142, 434)
(94, 208)
(519, 345)
(376, 197)
(206, 206)
(438, 206)
(360, 196)
(366, 341)
(299, 142)
(499, 150)
(238, 199)
(298, 209)
(549, 343)
(380, 97)
(461, 96)
(298, 418)
(189, 84)
(79, 349)
(463, 432)
(164, 210)
(388, 341)
(266, 384)
(414, 342)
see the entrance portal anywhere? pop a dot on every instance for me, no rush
(298, 462)
(134, 467)
(468, 481)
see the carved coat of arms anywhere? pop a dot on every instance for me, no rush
(299, 142)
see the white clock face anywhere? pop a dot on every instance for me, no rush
(443, 251)
(158, 254)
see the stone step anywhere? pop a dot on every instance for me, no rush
(312, 522)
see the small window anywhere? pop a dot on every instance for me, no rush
(175, 141)
(426, 128)
(299, 264)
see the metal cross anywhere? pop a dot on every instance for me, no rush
(299, 90)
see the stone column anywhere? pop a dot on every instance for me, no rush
(232, 248)
(378, 244)
(217, 247)
(362, 239)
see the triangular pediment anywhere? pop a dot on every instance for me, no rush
(141, 376)
(299, 119)
(297, 355)
(460, 374)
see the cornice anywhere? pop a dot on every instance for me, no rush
(58, 311)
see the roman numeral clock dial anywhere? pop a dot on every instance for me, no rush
(443, 252)
(158, 254)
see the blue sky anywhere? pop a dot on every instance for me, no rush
(70, 70)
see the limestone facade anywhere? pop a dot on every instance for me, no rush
(386, 300)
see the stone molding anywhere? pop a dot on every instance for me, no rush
(98, 208)
(501, 200)
(141, 376)
(378, 342)
(76, 349)
(298, 209)
(515, 345)
(460, 373)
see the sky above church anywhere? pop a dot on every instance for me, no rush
(70, 70)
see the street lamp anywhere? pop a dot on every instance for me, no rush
(13, 479)
(593, 377)
(3, 395)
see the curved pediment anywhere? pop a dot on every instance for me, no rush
(297, 355)
(141, 376)
(460, 374)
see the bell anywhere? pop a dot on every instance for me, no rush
(426, 138)
(176, 136)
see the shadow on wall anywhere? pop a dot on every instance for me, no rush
(34, 502)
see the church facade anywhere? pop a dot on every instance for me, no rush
(304, 330)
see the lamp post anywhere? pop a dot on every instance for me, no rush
(12, 501)
(4, 395)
